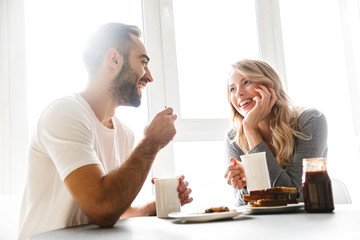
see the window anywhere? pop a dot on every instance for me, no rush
(13, 130)
(284, 33)
(319, 74)
(313, 44)
(199, 48)
(206, 46)
(203, 164)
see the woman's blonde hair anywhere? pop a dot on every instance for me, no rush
(284, 117)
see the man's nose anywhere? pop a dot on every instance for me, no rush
(147, 75)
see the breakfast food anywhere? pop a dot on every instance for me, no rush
(271, 202)
(217, 209)
(275, 196)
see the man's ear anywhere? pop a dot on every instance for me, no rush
(114, 59)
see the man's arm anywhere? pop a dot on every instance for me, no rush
(148, 209)
(104, 198)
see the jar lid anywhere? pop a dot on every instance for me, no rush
(314, 164)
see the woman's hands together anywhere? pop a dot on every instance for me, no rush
(235, 174)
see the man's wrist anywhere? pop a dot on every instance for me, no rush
(149, 146)
(150, 209)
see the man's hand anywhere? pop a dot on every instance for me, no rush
(184, 191)
(161, 130)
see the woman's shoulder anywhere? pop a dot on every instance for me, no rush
(310, 114)
(230, 134)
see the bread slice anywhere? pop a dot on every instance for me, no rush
(287, 190)
(275, 196)
(271, 193)
(272, 202)
(256, 197)
(268, 203)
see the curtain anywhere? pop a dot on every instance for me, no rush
(13, 124)
(350, 13)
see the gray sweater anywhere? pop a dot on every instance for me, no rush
(313, 123)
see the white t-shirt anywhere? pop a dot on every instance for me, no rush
(68, 136)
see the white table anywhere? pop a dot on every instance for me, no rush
(343, 223)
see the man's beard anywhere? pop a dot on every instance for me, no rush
(125, 87)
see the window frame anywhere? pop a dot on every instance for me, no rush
(13, 118)
(350, 17)
(159, 28)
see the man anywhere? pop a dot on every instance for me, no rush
(82, 166)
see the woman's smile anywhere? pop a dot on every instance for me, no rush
(245, 103)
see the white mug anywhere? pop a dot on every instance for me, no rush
(166, 196)
(256, 171)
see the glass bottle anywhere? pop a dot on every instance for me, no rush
(317, 190)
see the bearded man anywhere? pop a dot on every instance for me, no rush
(82, 166)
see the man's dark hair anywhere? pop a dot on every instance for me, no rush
(111, 35)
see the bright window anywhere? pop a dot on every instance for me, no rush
(207, 43)
(192, 44)
(303, 40)
(204, 165)
(317, 75)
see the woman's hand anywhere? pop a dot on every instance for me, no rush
(264, 103)
(184, 191)
(235, 174)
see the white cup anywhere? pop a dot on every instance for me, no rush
(256, 171)
(166, 196)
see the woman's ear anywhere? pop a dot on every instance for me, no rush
(114, 59)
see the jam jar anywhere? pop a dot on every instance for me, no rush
(317, 190)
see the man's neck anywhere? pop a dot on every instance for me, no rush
(102, 105)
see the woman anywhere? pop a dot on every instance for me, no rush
(264, 120)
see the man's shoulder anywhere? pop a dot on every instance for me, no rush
(68, 104)
(68, 101)
(67, 108)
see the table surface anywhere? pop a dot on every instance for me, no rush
(343, 222)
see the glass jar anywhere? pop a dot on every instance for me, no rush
(317, 190)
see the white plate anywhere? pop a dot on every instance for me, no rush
(276, 209)
(204, 217)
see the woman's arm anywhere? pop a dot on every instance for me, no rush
(233, 151)
(313, 124)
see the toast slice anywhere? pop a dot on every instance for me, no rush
(275, 196)
(272, 202)
(286, 190)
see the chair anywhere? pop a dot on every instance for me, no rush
(340, 192)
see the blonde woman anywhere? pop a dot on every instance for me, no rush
(264, 120)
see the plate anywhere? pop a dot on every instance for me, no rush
(276, 209)
(204, 217)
